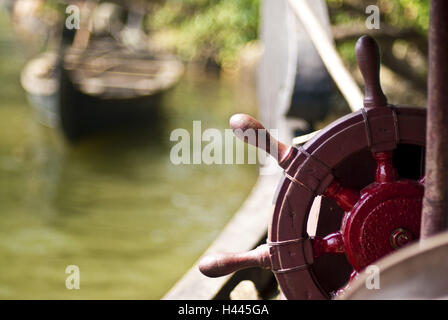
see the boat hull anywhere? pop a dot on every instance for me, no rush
(82, 115)
(59, 100)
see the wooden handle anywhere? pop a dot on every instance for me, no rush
(222, 264)
(368, 57)
(251, 131)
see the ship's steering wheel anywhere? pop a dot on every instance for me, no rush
(367, 166)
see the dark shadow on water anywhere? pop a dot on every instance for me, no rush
(84, 116)
(132, 129)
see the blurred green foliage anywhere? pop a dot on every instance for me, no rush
(347, 52)
(215, 30)
(409, 15)
(399, 13)
(211, 30)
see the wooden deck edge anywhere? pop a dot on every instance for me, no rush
(242, 233)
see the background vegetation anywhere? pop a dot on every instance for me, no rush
(402, 36)
(217, 29)
(212, 30)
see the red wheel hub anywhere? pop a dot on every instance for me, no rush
(386, 217)
(382, 217)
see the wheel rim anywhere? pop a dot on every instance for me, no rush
(312, 171)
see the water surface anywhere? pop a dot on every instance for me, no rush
(113, 205)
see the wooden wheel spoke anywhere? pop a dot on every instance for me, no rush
(345, 197)
(332, 243)
(385, 169)
(221, 264)
(251, 131)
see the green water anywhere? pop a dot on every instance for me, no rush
(113, 205)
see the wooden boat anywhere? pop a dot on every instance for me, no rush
(96, 82)
(106, 87)
(92, 90)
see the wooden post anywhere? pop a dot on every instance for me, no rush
(435, 201)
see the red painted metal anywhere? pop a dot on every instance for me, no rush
(400, 237)
(382, 209)
(345, 197)
(373, 218)
(385, 217)
(333, 243)
(385, 170)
